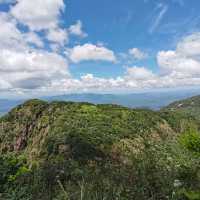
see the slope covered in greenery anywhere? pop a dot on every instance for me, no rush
(190, 106)
(66, 150)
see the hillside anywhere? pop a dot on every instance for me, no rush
(37, 121)
(66, 150)
(190, 106)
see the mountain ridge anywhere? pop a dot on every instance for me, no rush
(70, 150)
(189, 105)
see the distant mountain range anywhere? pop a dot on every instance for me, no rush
(7, 104)
(152, 100)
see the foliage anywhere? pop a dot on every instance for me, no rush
(191, 141)
(190, 106)
(66, 150)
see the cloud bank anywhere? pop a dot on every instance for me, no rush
(27, 64)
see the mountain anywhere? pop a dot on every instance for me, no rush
(152, 100)
(190, 106)
(70, 150)
(7, 104)
(99, 124)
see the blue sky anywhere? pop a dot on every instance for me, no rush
(56, 46)
(127, 24)
(131, 23)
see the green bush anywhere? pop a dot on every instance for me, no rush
(191, 141)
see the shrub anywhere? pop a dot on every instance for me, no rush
(191, 141)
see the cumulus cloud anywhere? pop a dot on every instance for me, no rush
(31, 69)
(58, 35)
(24, 63)
(27, 65)
(76, 29)
(177, 68)
(135, 78)
(87, 82)
(172, 61)
(190, 45)
(45, 16)
(33, 38)
(10, 36)
(184, 61)
(91, 52)
(139, 73)
(37, 14)
(137, 54)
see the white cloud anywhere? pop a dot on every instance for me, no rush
(190, 45)
(135, 78)
(76, 29)
(31, 69)
(37, 14)
(4, 85)
(178, 68)
(23, 67)
(30, 61)
(91, 52)
(137, 54)
(33, 38)
(86, 83)
(12, 38)
(139, 73)
(58, 35)
(184, 61)
(171, 61)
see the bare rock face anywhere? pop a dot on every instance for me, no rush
(20, 144)
(19, 125)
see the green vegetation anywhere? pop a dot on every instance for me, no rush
(191, 141)
(81, 151)
(189, 106)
